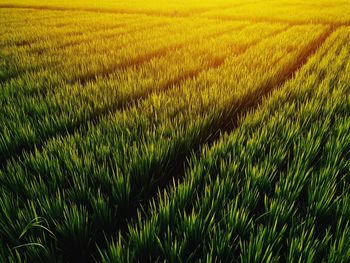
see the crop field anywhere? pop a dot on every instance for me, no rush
(174, 131)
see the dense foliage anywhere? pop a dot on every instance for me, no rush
(151, 136)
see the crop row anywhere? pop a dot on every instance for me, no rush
(26, 33)
(57, 106)
(47, 47)
(274, 190)
(89, 184)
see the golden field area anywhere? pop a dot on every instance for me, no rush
(175, 131)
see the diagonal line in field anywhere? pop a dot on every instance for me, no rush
(117, 106)
(140, 60)
(216, 64)
(259, 210)
(103, 28)
(251, 101)
(106, 37)
(95, 118)
(39, 52)
(288, 73)
(93, 77)
(227, 123)
(303, 58)
(177, 169)
(123, 226)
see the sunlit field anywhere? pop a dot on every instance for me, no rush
(174, 131)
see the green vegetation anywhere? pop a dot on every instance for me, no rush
(273, 190)
(139, 135)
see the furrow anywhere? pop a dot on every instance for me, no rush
(283, 96)
(102, 36)
(109, 109)
(60, 47)
(137, 62)
(252, 101)
(167, 154)
(227, 121)
(78, 31)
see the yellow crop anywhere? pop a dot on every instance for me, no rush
(174, 130)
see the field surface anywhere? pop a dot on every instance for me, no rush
(174, 131)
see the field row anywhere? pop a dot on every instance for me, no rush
(112, 68)
(84, 45)
(111, 131)
(87, 185)
(274, 190)
(29, 29)
(36, 104)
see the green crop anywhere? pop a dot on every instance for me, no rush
(174, 131)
